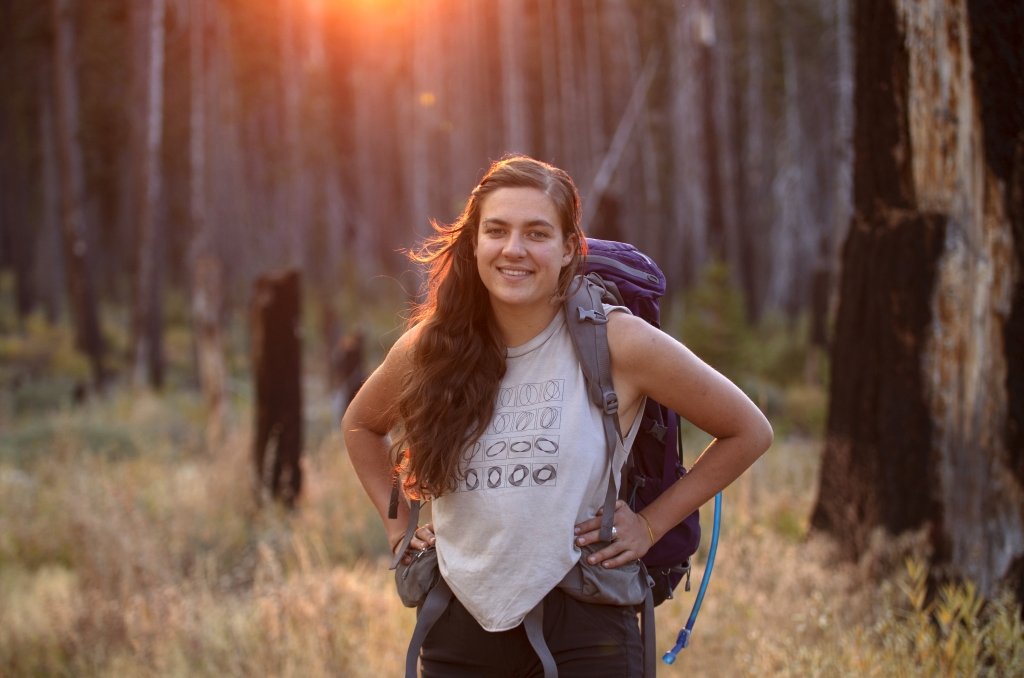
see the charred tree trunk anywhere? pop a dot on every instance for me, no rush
(81, 294)
(923, 388)
(277, 370)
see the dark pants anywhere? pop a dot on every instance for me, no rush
(586, 639)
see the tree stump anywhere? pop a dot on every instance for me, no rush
(277, 371)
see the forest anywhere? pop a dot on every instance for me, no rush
(834, 190)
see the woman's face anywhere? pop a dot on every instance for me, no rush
(520, 248)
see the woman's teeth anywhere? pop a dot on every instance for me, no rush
(515, 273)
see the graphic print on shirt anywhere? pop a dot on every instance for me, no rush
(520, 446)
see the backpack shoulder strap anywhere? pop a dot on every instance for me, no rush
(584, 314)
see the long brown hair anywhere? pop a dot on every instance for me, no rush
(458, 358)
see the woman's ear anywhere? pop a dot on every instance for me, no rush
(572, 244)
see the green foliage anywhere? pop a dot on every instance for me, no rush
(805, 409)
(914, 634)
(768, 361)
(714, 325)
(957, 633)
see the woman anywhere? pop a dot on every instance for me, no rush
(485, 379)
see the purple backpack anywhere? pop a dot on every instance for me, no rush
(617, 273)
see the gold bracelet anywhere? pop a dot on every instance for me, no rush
(648, 523)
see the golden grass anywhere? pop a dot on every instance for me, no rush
(152, 559)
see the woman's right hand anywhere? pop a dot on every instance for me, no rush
(422, 539)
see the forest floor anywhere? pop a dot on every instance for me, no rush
(126, 549)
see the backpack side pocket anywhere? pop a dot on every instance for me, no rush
(623, 585)
(415, 580)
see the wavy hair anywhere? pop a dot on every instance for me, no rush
(458, 358)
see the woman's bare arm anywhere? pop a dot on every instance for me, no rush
(365, 425)
(646, 361)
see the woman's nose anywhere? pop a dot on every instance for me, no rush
(514, 246)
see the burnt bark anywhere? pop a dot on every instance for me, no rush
(927, 354)
(879, 440)
(277, 370)
(997, 33)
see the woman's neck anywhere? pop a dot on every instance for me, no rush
(518, 325)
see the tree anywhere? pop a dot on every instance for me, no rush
(207, 271)
(277, 372)
(147, 125)
(926, 392)
(81, 296)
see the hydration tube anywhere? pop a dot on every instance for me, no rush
(684, 635)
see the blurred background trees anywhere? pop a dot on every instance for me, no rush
(325, 134)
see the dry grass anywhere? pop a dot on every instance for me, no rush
(126, 550)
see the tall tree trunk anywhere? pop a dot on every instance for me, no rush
(207, 274)
(513, 42)
(724, 106)
(49, 264)
(791, 219)
(296, 187)
(843, 205)
(575, 158)
(755, 198)
(920, 414)
(426, 102)
(594, 88)
(19, 156)
(688, 244)
(148, 355)
(649, 236)
(554, 145)
(81, 295)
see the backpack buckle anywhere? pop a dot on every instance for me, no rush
(611, 402)
(593, 316)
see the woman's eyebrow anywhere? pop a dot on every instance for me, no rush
(531, 222)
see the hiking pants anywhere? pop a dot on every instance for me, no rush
(587, 640)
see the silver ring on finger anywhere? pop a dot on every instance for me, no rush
(615, 533)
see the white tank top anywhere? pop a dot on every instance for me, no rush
(505, 537)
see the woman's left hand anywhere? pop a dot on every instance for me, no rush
(632, 539)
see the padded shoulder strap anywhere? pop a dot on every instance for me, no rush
(584, 314)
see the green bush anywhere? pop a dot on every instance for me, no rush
(714, 325)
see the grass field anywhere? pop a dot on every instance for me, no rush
(126, 549)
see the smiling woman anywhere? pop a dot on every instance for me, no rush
(497, 429)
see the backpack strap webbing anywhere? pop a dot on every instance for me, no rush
(534, 627)
(410, 530)
(647, 630)
(584, 314)
(433, 607)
